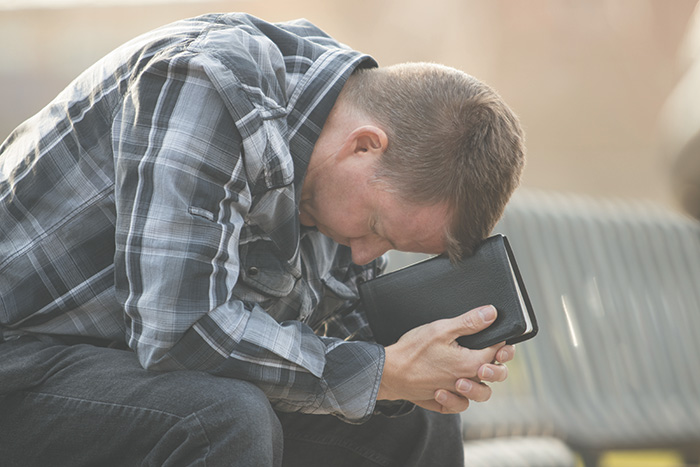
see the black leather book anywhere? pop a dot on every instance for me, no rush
(435, 288)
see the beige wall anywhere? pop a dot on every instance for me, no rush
(588, 78)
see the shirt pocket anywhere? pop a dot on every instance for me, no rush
(336, 295)
(263, 271)
(338, 289)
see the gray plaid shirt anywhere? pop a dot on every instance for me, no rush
(155, 200)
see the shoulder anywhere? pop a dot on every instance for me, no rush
(267, 59)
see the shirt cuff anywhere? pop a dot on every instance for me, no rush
(352, 375)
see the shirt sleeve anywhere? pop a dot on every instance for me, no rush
(182, 195)
(351, 324)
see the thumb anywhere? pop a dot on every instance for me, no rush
(473, 321)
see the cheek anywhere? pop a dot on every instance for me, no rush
(342, 224)
(347, 224)
(341, 212)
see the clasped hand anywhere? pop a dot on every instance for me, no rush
(429, 368)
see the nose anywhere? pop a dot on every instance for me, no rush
(364, 251)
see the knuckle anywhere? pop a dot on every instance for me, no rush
(454, 404)
(504, 372)
(506, 354)
(461, 406)
(469, 321)
(485, 393)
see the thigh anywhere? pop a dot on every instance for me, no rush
(419, 438)
(87, 405)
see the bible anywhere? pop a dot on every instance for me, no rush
(436, 288)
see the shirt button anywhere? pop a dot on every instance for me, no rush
(253, 271)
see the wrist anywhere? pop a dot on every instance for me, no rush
(388, 384)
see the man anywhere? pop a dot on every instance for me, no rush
(182, 233)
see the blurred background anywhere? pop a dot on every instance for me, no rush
(587, 78)
(607, 93)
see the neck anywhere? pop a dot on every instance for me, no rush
(339, 124)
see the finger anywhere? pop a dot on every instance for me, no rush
(472, 321)
(478, 392)
(450, 402)
(435, 406)
(493, 373)
(429, 405)
(505, 354)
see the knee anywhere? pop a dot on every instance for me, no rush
(435, 427)
(250, 407)
(224, 402)
(245, 424)
(236, 421)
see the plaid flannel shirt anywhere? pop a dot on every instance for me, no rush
(155, 201)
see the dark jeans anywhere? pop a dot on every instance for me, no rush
(86, 405)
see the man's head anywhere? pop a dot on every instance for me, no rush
(451, 139)
(415, 157)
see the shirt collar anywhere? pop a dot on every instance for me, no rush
(313, 101)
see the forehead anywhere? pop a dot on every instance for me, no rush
(419, 229)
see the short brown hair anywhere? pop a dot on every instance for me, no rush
(451, 139)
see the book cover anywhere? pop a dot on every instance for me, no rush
(436, 288)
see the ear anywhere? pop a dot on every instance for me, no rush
(368, 140)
